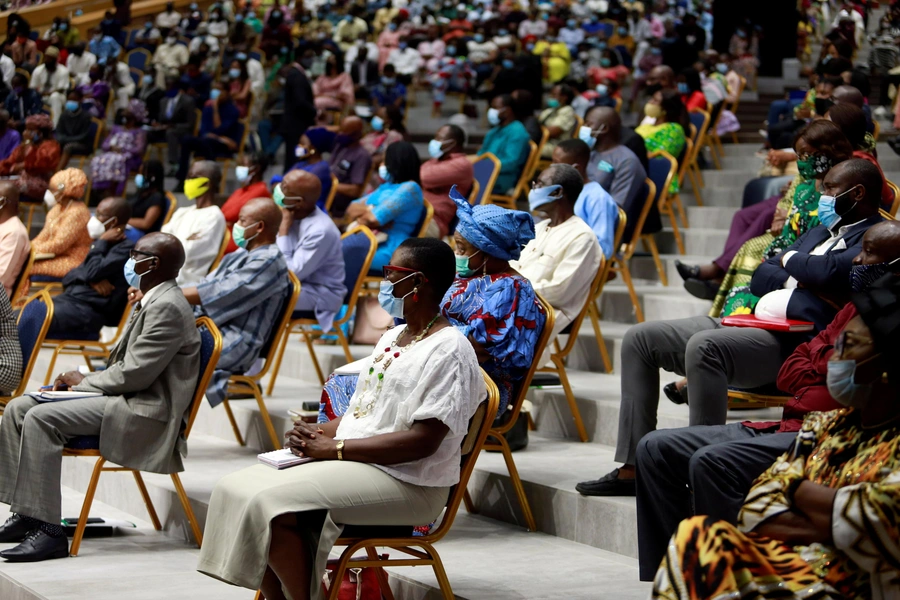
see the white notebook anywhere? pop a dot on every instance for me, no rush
(281, 459)
(48, 396)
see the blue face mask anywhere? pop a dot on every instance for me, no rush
(602, 89)
(571, 24)
(234, 73)
(214, 94)
(139, 181)
(828, 215)
(584, 134)
(384, 173)
(493, 117)
(683, 88)
(403, 45)
(388, 81)
(377, 123)
(148, 79)
(393, 306)
(239, 233)
(508, 64)
(71, 105)
(503, 33)
(863, 276)
(435, 148)
(541, 196)
(478, 38)
(841, 381)
(463, 265)
(605, 62)
(722, 68)
(133, 279)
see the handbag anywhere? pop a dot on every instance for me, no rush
(371, 321)
(357, 584)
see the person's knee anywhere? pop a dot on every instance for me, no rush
(703, 347)
(638, 337)
(650, 449)
(17, 409)
(706, 464)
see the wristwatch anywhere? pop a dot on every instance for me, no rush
(340, 449)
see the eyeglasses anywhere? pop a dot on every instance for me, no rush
(387, 269)
(136, 254)
(841, 342)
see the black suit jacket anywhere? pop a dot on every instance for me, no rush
(152, 96)
(184, 112)
(820, 277)
(299, 108)
(371, 72)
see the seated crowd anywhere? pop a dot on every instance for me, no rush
(470, 286)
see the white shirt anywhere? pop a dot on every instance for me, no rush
(200, 231)
(210, 41)
(171, 57)
(147, 34)
(407, 62)
(257, 77)
(571, 37)
(561, 263)
(7, 68)
(149, 293)
(438, 378)
(479, 53)
(165, 20)
(774, 304)
(529, 27)
(80, 65)
(352, 52)
(218, 28)
(46, 83)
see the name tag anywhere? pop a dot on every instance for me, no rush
(345, 164)
(605, 167)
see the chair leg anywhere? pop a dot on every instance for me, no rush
(734, 137)
(234, 425)
(259, 596)
(338, 572)
(267, 420)
(681, 213)
(650, 243)
(713, 152)
(699, 173)
(344, 343)
(86, 507)
(570, 397)
(386, 592)
(188, 511)
(516, 481)
(675, 232)
(307, 337)
(601, 343)
(470, 505)
(439, 573)
(154, 518)
(695, 184)
(277, 367)
(626, 277)
(720, 146)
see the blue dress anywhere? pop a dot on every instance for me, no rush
(398, 207)
(499, 312)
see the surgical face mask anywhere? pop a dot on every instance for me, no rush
(171, 40)
(148, 79)
(571, 24)
(234, 73)
(623, 31)
(238, 232)
(722, 68)
(377, 123)
(602, 89)
(478, 38)
(583, 55)
(683, 88)
(552, 103)
(584, 134)
(463, 266)
(605, 62)
(654, 111)
(301, 152)
(71, 105)
(828, 215)
(242, 173)
(139, 180)
(435, 148)
(49, 199)
(384, 174)
(529, 47)
(96, 228)
(841, 382)
(214, 94)
(393, 306)
(196, 187)
(863, 276)
(503, 33)
(545, 195)
(493, 117)
(508, 64)
(133, 279)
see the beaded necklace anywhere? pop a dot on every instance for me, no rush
(373, 392)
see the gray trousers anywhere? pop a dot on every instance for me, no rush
(696, 471)
(32, 436)
(710, 355)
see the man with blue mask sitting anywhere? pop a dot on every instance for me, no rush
(562, 259)
(808, 282)
(507, 139)
(73, 130)
(709, 470)
(407, 61)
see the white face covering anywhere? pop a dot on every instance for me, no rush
(96, 228)
(49, 199)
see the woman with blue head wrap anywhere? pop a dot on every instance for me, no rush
(493, 305)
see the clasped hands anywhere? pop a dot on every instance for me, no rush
(306, 440)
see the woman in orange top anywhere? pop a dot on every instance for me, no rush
(250, 175)
(34, 160)
(65, 237)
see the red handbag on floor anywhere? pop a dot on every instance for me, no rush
(357, 584)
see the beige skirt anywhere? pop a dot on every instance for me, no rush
(335, 493)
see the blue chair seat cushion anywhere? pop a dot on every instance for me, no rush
(45, 279)
(84, 442)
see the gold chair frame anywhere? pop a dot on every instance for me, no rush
(593, 311)
(86, 348)
(489, 186)
(28, 367)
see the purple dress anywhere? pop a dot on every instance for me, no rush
(96, 105)
(113, 167)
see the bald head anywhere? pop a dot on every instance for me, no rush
(115, 207)
(9, 199)
(663, 75)
(881, 244)
(847, 94)
(352, 126)
(169, 254)
(265, 211)
(302, 191)
(605, 123)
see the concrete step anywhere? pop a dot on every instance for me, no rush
(697, 241)
(472, 566)
(658, 302)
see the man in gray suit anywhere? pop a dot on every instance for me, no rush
(139, 417)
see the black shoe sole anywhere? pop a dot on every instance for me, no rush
(701, 289)
(686, 271)
(618, 489)
(61, 553)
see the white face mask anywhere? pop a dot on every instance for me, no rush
(49, 199)
(96, 228)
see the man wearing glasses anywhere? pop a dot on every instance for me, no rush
(133, 411)
(94, 293)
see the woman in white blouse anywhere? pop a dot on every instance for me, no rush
(391, 460)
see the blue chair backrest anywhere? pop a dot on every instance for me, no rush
(34, 34)
(207, 346)
(625, 55)
(92, 128)
(659, 170)
(255, 54)
(137, 60)
(355, 249)
(279, 313)
(130, 40)
(134, 77)
(30, 325)
(483, 170)
(697, 121)
(797, 94)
